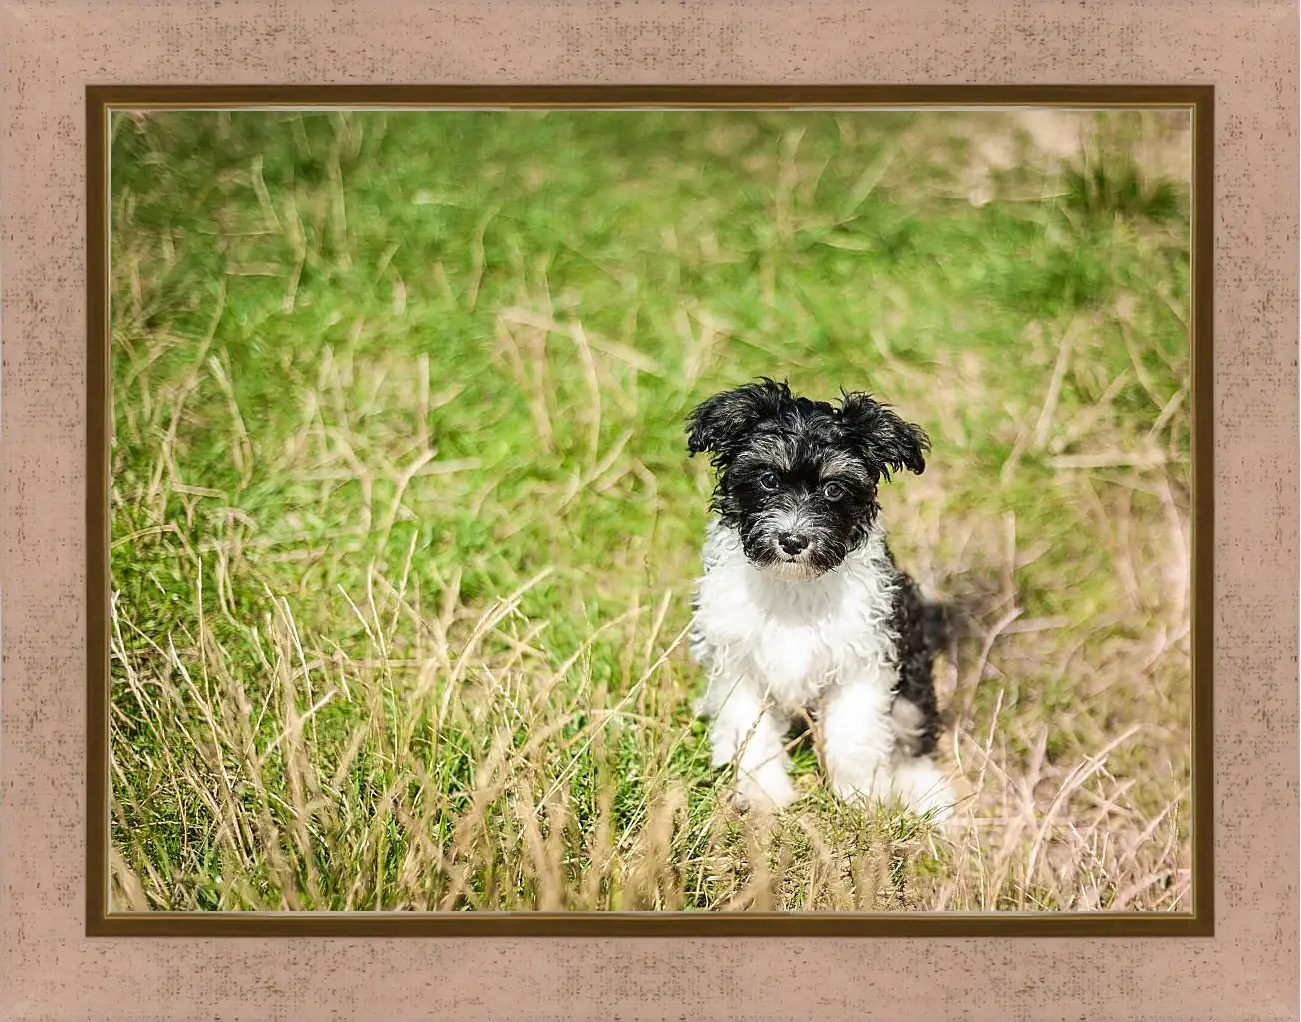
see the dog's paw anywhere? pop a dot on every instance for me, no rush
(916, 785)
(766, 789)
(864, 789)
(923, 790)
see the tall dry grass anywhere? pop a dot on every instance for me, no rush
(319, 704)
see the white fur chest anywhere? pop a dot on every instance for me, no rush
(795, 638)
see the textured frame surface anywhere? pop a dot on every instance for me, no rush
(1199, 101)
(53, 50)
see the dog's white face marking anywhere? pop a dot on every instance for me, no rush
(797, 567)
(775, 451)
(836, 464)
(792, 569)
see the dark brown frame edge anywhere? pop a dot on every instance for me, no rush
(100, 99)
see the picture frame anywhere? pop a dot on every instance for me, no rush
(103, 102)
(55, 968)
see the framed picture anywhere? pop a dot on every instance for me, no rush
(428, 431)
(414, 611)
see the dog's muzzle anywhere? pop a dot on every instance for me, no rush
(792, 557)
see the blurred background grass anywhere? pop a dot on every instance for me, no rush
(403, 529)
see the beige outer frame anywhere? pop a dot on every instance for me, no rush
(52, 50)
(1197, 100)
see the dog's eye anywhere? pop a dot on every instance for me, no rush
(768, 480)
(833, 491)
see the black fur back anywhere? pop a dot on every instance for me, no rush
(922, 630)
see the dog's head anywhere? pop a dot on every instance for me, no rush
(798, 478)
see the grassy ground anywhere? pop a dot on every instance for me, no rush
(404, 530)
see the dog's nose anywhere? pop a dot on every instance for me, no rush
(792, 542)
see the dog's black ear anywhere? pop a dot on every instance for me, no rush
(885, 438)
(719, 423)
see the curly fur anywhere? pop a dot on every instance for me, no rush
(802, 608)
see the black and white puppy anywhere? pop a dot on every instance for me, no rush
(802, 608)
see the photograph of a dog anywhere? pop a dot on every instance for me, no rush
(650, 510)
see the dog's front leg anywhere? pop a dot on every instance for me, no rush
(747, 731)
(857, 738)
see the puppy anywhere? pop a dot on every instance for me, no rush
(802, 609)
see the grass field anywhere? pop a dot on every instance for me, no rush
(404, 531)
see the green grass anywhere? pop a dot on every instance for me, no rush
(404, 530)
